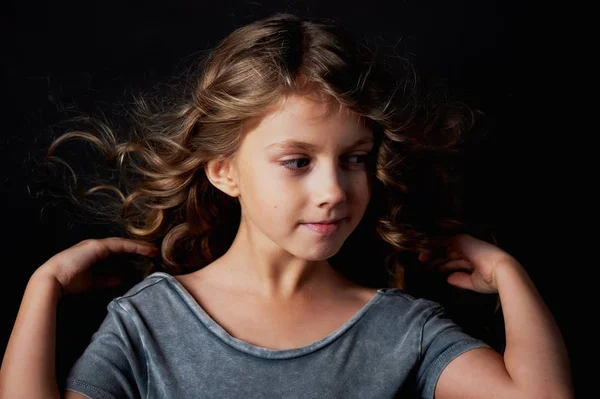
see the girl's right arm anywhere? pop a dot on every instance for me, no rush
(28, 367)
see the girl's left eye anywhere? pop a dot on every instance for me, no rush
(357, 159)
(300, 163)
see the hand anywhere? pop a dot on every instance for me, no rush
(472, 263)
(71, 266)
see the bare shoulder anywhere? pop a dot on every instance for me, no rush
(474, 374)
(203, 276)
(349, 289)
(183, 279)
(203, 280)
(210, 277)
(365, 294)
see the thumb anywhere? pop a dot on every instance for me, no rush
(460, 280)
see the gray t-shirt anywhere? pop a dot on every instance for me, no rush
(157, 342)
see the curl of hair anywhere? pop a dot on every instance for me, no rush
(169, 201)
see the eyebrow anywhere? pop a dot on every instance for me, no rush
(308, 147)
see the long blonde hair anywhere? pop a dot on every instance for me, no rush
(170, 202)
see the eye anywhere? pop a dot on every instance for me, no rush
(357, 158)
(294, 164)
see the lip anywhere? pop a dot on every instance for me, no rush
(324, 228)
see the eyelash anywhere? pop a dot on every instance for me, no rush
(285, 163)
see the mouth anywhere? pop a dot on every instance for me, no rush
(324, 227)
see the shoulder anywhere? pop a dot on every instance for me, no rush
(156, 288)
(402, 312)
(149, 282)
(401, 301)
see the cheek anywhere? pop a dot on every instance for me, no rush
(267, 192)
(361, 189)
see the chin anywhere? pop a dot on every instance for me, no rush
(315, 258)
(315, 253)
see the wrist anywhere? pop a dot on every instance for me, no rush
(508, 269)
(44, 276)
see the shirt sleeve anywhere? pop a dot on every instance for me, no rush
(441, 341)
(113, 365)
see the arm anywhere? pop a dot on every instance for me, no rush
(535, 353)
(535, 362)
(28, 368)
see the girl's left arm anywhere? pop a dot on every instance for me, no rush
(535, 363)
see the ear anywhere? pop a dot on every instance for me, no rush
(221, 173)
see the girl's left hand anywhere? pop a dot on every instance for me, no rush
(472, 263)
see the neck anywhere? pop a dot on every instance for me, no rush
(267, 270)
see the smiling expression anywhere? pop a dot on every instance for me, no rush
(303, 179)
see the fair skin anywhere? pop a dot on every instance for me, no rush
(275, 276)
(276, 271)
(281, 187)
(535, 362)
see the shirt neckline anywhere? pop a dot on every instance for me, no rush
(259, 351)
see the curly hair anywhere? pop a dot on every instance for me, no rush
(169, 201)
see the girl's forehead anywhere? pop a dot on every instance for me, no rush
(305, 116)
(311, 108)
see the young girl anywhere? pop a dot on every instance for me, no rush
(292, 156)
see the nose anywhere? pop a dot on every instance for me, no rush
(330, 187)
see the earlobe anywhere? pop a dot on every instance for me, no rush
(220, 172)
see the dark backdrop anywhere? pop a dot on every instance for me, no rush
(493, 55)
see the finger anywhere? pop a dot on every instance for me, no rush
(148, 250)
(103, 248)
(460, 280)
(424, 256)
(453, 265)
(116, 244)
(442, 255)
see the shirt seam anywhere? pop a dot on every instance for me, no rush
(90, 387)
(140, 290)
(294, 353)
(460, 347)
(421, 331)
(143, 348)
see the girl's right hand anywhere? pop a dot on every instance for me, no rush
(70, 267)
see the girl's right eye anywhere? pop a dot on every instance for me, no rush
(295, 164)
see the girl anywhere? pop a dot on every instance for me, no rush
(292, 142)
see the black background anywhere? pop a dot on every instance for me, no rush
(496, 56)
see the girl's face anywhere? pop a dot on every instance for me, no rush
(302, 178)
